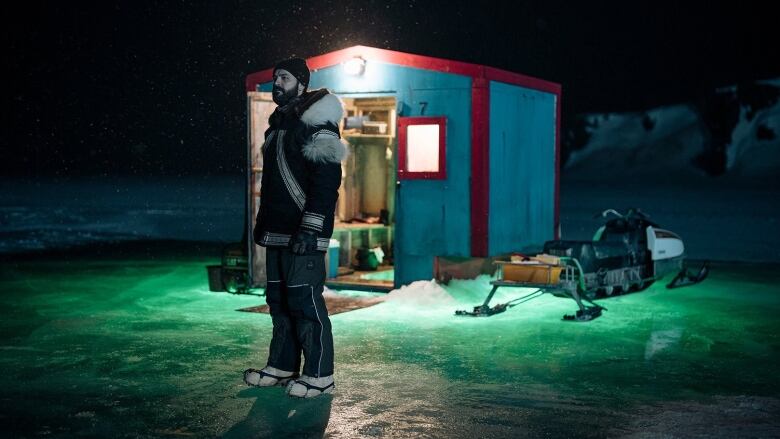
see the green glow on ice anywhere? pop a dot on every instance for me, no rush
(121, 347)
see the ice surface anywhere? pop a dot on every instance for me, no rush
(141, 348)
(723, 219)
(660, 340)
(48, 214)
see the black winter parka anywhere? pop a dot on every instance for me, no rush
(302, 157)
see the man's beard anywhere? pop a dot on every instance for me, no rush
(286, 96)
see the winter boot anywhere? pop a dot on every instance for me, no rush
(309, 387)
(268, 377)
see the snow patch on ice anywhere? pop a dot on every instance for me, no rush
(421, 292)
(660, 340)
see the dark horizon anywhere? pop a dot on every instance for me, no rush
(140, 89)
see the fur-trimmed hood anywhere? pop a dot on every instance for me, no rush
(323, 109)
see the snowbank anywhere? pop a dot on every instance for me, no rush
(662, 144)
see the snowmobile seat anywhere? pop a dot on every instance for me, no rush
(592, 255)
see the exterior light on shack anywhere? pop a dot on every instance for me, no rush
(355, 66)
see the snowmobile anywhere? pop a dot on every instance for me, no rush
(627, 253)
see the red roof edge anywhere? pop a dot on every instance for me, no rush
(412, 60)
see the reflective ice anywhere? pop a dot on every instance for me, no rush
(138, 347)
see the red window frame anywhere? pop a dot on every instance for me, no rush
(403, 124)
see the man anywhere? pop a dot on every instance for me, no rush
(302, 157)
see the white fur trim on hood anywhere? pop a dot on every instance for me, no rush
(327, 109)
(325, 146)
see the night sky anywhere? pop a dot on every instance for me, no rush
(140, 88)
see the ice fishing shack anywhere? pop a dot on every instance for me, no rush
(450, 163)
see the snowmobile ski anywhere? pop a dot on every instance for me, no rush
(486, 311)
(483, 311)
(584, 315)
(685, 278)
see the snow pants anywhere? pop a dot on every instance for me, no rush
(300, 319)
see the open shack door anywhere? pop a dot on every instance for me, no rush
(362, 258)
(260, 105)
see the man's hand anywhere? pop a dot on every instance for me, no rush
(303, 242)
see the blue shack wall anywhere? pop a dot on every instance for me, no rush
(432, 216)
(522, 168)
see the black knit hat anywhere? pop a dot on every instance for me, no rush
(297, 67)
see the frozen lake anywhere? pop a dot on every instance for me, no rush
(49, 214)
(130, 343)
(137, 347)
(718, 219)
